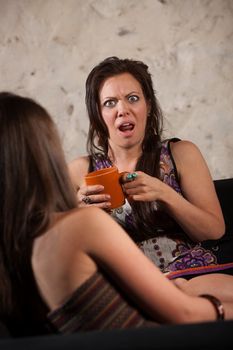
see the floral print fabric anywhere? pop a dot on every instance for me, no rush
(171, 251)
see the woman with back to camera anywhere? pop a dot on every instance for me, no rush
(171, 204)
(75, 267)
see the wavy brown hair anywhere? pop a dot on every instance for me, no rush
(98, 136)
(34, 184)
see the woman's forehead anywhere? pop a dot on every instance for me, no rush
(122, 83)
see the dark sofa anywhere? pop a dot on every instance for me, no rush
(210, 335)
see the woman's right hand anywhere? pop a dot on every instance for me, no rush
(93, 196)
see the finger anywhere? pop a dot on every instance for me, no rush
(87, 190)
(142, 198)
(103, 205)
(129, 177)
(131, 185)
(87, 201)
(100, 198)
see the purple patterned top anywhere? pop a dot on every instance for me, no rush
(170, 252)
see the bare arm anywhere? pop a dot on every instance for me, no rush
(84, 240)
(198, 212)
(111, 247)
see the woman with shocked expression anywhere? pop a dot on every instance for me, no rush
(171, 205)
(124, 111)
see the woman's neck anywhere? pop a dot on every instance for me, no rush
(124, 159)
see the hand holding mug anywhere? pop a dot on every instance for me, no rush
(93, 195)
(139, 186)
(110, 192)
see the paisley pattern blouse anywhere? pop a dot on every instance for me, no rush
(172, 251)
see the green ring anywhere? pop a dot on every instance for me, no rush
(131, 176)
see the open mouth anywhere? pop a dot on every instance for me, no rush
(126, 127)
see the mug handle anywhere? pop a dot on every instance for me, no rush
(121, 174)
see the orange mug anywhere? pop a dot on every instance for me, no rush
(110, 179)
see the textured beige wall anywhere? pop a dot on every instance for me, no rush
(48, 47)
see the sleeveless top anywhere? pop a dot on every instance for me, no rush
(170, 249)
(97, 305)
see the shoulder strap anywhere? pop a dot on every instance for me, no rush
(168, 166)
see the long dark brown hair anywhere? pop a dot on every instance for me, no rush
(97, 140)
(34, 184)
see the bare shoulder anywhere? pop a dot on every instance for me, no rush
(70, 228)
(60, 261)
(78, 168)
(79, 163)
(183, 147)
(185, 151)
(90, 229)
(188, 158)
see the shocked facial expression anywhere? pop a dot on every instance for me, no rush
(124, 110)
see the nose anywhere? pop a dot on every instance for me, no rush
(122, 109)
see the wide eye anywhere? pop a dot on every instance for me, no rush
(133, 98)
(109, 103)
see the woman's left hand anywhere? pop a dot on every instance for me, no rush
(139, 186)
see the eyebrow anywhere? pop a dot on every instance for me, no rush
(113, 97)
(133, 92)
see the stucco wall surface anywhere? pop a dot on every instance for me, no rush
(47, 48)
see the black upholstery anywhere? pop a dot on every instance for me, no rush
(223, 247)
(211, 335)
(4, 332)
(224, 189)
